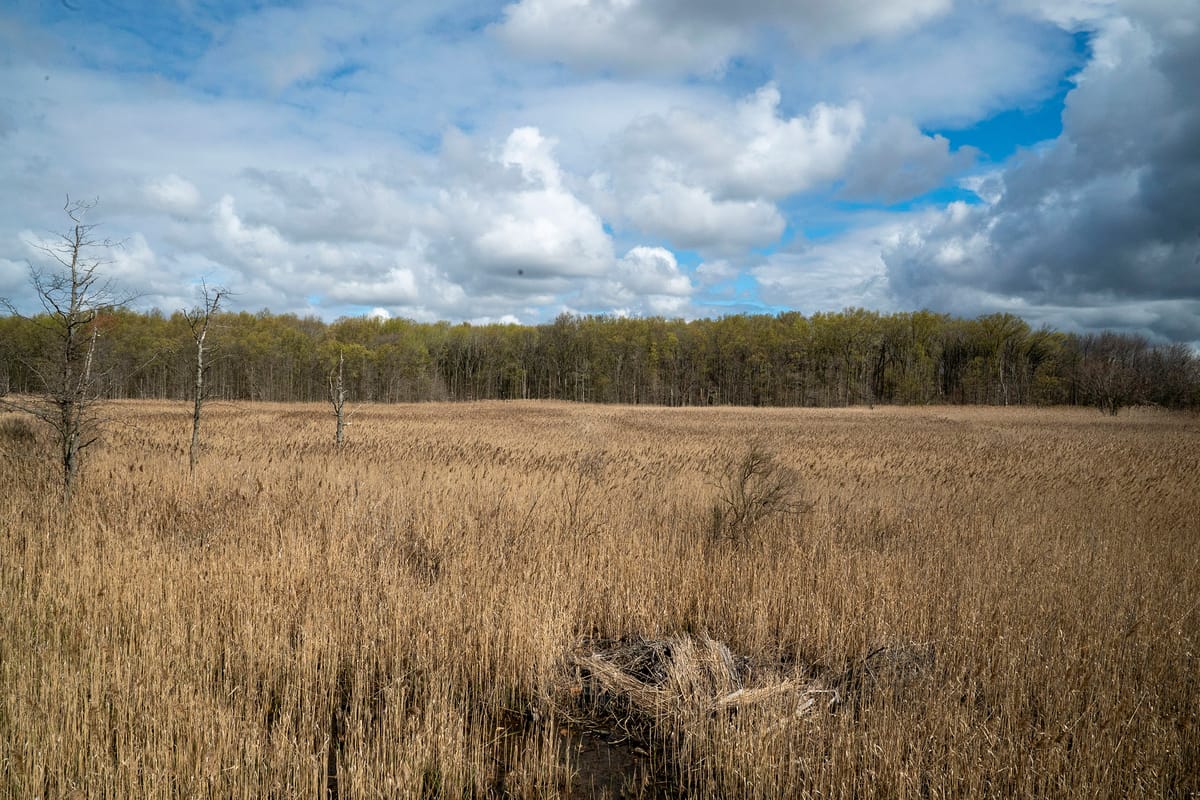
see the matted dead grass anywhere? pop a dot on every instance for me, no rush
(526, 600)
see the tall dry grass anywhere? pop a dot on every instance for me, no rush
(390, 621)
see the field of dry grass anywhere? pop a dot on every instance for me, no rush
(430, 612)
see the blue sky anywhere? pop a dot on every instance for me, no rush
(487, 161)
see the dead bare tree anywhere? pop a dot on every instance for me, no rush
(337, 398)
(199, 318)
(73, 297)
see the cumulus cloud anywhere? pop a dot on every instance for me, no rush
(396, 287)
(652, 271)
(358, 274)
(709, 182)
(517, 222)
(952, 72)
(690, 217)
(896, 162)
(645, 281)
(130, 262)
(837, 272)
(752, 152)
(1105, 217)
(716, 271)
(260, 242)
(338, 159)
(502, 228)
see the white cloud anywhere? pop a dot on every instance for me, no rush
(585, 115)
(645, 281)
(690, 217)
(258, 242)
(133, 262)
(542, 231)
(834, 273)
(292, 153)
(716, 271)
(708, 181)
(896, 162)
(697, 35)
(654, 271)
(173, 194)
(951, 73)
(534, 228)
(533, 154)
(397, 286)
(778, 157)
(750, 152)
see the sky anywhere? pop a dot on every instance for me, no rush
(492, 161)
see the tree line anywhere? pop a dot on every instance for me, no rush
(852, 357)
(87, 346)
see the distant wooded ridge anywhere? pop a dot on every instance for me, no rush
(828, 359)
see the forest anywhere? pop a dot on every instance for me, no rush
(853, 357)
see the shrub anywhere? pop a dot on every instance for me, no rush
(16, 434)
(21, 450)
(752, 488)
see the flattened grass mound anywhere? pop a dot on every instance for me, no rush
(660, 698)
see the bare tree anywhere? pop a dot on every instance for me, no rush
(199, 319)
(73, 296)
(1113, 371)
(337, 397)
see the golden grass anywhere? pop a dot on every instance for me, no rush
(389, 621)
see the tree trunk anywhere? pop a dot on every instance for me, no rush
(72, 408)
(198, 400)
(337, 397)
(198, 320)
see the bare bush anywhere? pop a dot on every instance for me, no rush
(751, 489)
(20, 448)
(16, 434)
(577, 502)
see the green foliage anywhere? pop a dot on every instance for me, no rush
(854, 357)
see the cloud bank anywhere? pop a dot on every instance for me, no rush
(482, 161)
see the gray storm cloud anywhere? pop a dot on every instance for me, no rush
(1105, 217)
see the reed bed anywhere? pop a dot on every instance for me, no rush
(414, 615)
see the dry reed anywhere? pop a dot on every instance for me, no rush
(389, 620)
